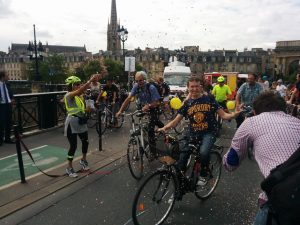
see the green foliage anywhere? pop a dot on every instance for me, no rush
(114, 68)
(91, 67)
(52, 70)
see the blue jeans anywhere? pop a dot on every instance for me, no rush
(262, 215)
(208, 141)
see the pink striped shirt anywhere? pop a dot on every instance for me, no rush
(274, 136)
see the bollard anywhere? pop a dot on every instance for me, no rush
(19, 154)
(99, 129)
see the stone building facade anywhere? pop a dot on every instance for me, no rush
(17, 60)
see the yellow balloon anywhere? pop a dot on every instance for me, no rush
(230, 105)
(104, 94)
(175, 103)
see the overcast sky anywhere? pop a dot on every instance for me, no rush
(228, 24)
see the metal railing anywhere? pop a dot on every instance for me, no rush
(38, 111)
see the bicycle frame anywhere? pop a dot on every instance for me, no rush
(137, 131)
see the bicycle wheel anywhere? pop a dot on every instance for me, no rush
(155, 199)
(102, 123)
(135, 159)
(214, 171)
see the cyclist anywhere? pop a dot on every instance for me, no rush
(200, 109)
(246, 95)
(164, 91)
(148, 100)
(75, 123)
(112, 93)
(274, 136)
(221, 91)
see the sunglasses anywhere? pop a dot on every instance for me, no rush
(140, 80)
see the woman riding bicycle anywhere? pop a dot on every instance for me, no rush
(200, 109)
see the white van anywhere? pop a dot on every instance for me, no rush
(176, 75)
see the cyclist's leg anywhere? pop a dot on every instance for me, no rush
(262, 215)
(184, 154)
(208, 141)
(151, 133)
(156, 118)
(154, 121)
(114, 110)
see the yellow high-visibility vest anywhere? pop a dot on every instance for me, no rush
(75, 110)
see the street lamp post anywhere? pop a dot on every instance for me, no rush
(123, 35)
(36, 55)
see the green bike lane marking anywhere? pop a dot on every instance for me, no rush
(45, 157)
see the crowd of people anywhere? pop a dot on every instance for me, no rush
(273, 135)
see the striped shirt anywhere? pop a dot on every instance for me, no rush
(275, 136)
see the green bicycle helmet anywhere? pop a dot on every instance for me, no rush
(72, 80)
(221, 79)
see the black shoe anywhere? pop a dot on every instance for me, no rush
(9, 142)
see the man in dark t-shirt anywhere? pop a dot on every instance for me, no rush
(200, 109)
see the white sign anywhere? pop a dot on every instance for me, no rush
(130, 64)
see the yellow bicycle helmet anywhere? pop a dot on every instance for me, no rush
(221, 79)
(72, 80)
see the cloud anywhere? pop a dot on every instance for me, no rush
(5, 8)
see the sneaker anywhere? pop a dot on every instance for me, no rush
(202, 181)
(84, 164)
(71, 172)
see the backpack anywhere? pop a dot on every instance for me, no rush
(282, 187)
(158, 88)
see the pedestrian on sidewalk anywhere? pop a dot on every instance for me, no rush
(6, 100)
(76, 121)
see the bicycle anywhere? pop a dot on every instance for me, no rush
(156, 197)
(108, 120)
(138, 145)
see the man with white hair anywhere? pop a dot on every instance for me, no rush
(148, 101)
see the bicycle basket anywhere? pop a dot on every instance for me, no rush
(167, 145)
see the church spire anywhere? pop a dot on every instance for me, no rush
(113, 41)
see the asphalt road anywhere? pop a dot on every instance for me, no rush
(106, 197)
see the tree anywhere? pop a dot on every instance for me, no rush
(52, 69)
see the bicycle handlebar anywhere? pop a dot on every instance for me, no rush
(139, 113)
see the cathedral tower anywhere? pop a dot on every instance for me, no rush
(113, 41)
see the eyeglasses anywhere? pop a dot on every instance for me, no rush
(140, 80)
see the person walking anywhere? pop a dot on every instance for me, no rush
(76, 122)
(6, 100)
